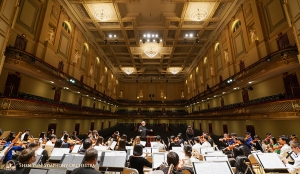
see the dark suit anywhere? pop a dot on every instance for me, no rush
(143, 131)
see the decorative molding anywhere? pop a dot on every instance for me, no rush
(269, 13)
(236, 40)
(63, 38)
(30, 28)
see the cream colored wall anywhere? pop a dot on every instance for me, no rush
(52, 16)
(266, 43)
(172, 90)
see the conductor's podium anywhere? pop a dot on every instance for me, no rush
(149, 139)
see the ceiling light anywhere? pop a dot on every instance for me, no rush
(51, 82)
(223, 92)
(87, 95)
(175, 70)
(102, 14)
(110, 35)
(199, 14)
(191, 35)
(128, 70)
(66, 88)
(249, 82)
(151, 52)
(78, 92)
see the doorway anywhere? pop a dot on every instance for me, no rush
(52, 126)
(77, 127)
(251, 129)
(12, 85)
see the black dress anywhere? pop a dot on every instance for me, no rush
(138, 163)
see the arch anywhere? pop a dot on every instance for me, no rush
(66, 25)
(236, 25)
(85, 47)
(217, 47)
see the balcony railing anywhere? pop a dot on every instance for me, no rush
(279, 59)
(282, 109)
(31, 62)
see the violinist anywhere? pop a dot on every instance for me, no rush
(233, 136)
(180, 139)
(100, 141)
(158, 144)
(124, 136)
(269, 136)
(25, 135)
(293, 137)
(67, 142)
(90, 135)
(285, 149)
(256, 143)
(273, 146)
(74, 136)
(9, 155)
(225, 140)
(173, 142)
(95, 134)
(248, 140)
(87, 144)
(63, 134)
(51, 132)
(52, 140)
(205, 142)
(240, 149)
(197, 145)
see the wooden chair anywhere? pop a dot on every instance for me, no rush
(255, 165)
(49, 149)
(130, 171)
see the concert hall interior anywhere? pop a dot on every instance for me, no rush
(219, 66)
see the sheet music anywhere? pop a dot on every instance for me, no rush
(206, 149)
(67, 159)
(147, 149)
(57, 153)
(143, 143)
(270, 161)
(77, 159)
(76, 148)
(152, 143)
(216, 158)
(114, 159)
(214, 153)
(56, 171)
(38, 171)
(157, 159)
(113, 145)
(100, 148)
(177, 149)
(212, 167)
(154, 150)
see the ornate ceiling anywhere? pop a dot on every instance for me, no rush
(121, 38)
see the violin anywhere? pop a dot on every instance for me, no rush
(230, 147)
(6, 150)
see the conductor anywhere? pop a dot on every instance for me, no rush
(143, 130)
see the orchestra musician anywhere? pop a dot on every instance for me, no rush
(100, 141)
(269, 136)
(67, 142)
(90, 159)
(240, 149)
(143, 130)
(273, 146)
(285, 149)
(62, 135)
(51, 140)
(25, 135)
(189, 134)
(225, 140)
(295, 168)
(14, 146)
(248, 140)
(173, 142)
(180, 139)
(256, 144)
(197, 145)
(293, 137)
(128, 143)
(95, 134)
(158, 144)
(87, 144)
(74, 136)
(205, 142)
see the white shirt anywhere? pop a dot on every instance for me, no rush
(284, 151)
(206, 144)
(295, 168)
(196, 147)
(49, 142)
(159, 145)
(22, 136)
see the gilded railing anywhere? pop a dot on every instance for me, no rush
(285, 58)
(283, 109)
(25, 60)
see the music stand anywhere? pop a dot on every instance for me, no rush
(212, 167)
(215, 158)
(57, 153)
(158, 159)
(270, 162)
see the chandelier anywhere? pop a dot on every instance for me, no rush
(174, 70)
(102, 14)
(128, 70)
(151, 52)
(199, 14)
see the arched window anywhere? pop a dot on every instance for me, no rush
(217, 47)
(66, 26)
(85, 47)
(236, 25)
